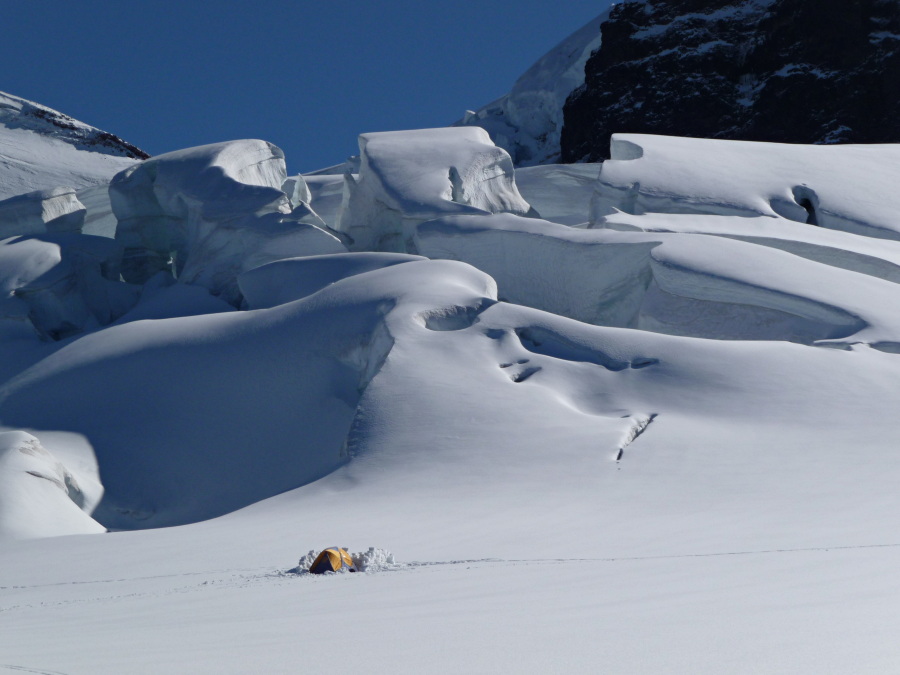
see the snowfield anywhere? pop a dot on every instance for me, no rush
(637, 417)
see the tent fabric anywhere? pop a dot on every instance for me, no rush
(332, 560)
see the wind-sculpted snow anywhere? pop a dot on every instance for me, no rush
(210, 213)
(57, 285)
(875, 257)
(293, 278)
(540, 264)
(698, 285)
(637, 405)
(40, 212)
(407, 177)
(240, 405)
(849, 188)
(39, 496)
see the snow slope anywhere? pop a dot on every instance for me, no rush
(666, 442)
(42, 149)
(527, 122)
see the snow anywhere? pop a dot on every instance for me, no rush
(561, 193)
(55, 286)
(211, 212)
(407, 177)
(39, 496)
(849, 187)
(527, 122)
(42, 149)
(40, 212)
(663, 442)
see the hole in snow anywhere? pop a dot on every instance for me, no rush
(809, 201)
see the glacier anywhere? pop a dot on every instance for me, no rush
(653, 397)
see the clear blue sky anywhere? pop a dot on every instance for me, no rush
(308, 76)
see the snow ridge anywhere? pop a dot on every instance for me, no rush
(19, 113)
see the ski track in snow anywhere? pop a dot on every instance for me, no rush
(246, 578)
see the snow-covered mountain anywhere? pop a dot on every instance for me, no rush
(527, 121)
(632, 416)
(790, 71)
(41, 149)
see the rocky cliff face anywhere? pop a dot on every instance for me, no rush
(799, 71)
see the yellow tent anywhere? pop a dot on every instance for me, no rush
(331, 560)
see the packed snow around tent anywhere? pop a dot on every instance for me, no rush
(563, 398)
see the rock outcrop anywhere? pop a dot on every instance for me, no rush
(798, 71)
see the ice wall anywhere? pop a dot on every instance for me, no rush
(60, 285)
(408, 177)
(211, 212)
(40, 212)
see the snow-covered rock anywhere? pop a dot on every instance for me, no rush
(40, 212)
(787, 71)
(527, 121)
(210, 213)
(846, 187)
(39, 495)
(41, 149)
(408, 177)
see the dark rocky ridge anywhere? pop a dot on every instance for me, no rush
(795, 71)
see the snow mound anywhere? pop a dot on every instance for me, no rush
(407, 177)
(293, 278)
(41, 149)
(39, 496)
(40, 212)
(527, 122)
(370, 561)
(375, 560)
(240, 405)
(839, 187)
(208, 213)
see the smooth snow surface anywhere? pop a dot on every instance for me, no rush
(662, 439)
